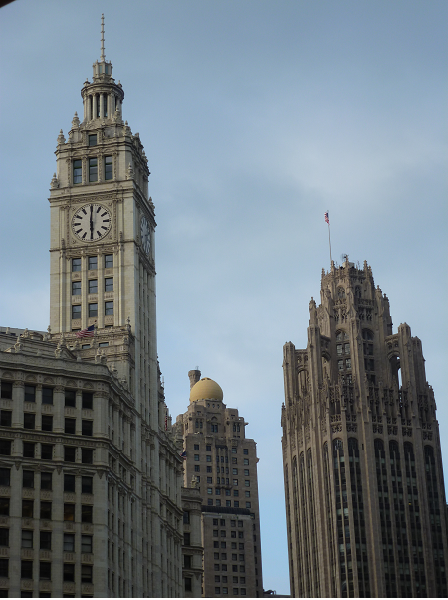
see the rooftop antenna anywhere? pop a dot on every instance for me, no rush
(103, 55)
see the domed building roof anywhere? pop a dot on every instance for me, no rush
(206, 389)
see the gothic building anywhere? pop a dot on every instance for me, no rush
(90, 481)
(364, 487)
(223, 464)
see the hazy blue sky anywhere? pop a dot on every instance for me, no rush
(256, 117)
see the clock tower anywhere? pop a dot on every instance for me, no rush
(102, 239)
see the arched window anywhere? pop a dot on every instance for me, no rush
(341, 293)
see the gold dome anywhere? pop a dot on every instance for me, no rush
(206, 389)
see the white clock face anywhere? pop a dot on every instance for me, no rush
(145, 235)
(91, 222)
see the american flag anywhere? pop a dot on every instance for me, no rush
(327, 219)
(89, 332)
(183, 454)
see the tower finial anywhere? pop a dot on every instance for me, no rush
(103, 55)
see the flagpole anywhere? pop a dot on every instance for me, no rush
(327, 220)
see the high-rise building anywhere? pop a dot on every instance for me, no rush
(90, 481)
(223, 462)
(365, 499)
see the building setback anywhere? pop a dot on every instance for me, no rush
(223, 462)
(90, 481)
(365, 498)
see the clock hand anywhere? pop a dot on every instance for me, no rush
(91, 221)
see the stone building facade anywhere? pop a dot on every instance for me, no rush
(192, 548)
(84, 421)
(365, 498)
(223, 462)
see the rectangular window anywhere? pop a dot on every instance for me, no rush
(70, 399)
(46, 481)
(196, 457)
(87, 427)
(93, 169)
(69, 512)
(93, 286)
(26, 571)
(70, 426)
(70, 453)
(69, 542)
(247, 482)
(76, 264)
(186, 539)
(47, 395)
(93, 263)
(93, 139)
(69, 483)
(4, 507)
(28, 479)
(45, 570)
(247, 494)
(45, 510)
(248, 505)
(209, 490)
(46, 451)
(28, 449)
(107, 168)
(103, 344)
(109, 308)
(76, 288)
(87, 400)
(47, 423)
(197, 468)
(187, 561)
(77, 171)
(69, 572)
(27, 508)
(246, 461)
(86, 513)
(245, 451)
(87, 456)
(87, 485)
(45, 540)
(30, 393)
(29, 421)
(188, 587)
(93, 310)
(208, 458)
(4, 536)
(109, 285)
(27, 538)
(76, 311)
(6, 418)
(108, 261)
(236, 504)
(6, 390)
(86, 574)
(186, 518)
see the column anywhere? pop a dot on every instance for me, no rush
(101, 101)
(59, 409)
(84, 291)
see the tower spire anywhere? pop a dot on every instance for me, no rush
(103, 55)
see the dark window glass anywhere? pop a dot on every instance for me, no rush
(6, 390)
(45, 510)
(186, 539)
(69, 542)
(69, 483)
(69, 512)
(70, 398)
(108, 261)
(46, 481)
(47, 395)
(87, 427)
(45, 540)
(93, 169)
(70, 426)
(4, 507)
(93, 309)
(5, 476)
(76, 311)
(27, 538)
(5, 418)
(46, 451)
(76, 288)
(87, 400)
(187, 561)
(45, 570)
(70, 453)
(29, 449)
(86, 513)
(87, 456)
(77, 171)
(186, 517)
(28, 479)
(93, 286)
(27, 569)
(188, 587)
(86, 544)
(69, 572)
(4, 536)
(29, 421)
(93, 139)
(76, 264)
(109, 284)
(86, 574)
(27, 508)
(5, 447)
(47, 423)
(87, 485)
(109, 308)
(93, 263)
(107, 168)
(30, 393)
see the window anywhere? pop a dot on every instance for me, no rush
(77, 171)
(103, 344)
(45, 540)
(45, 510)
(93, 265)
(86, 513)
(28, 479)
(208, 458)
(69, 512)
(28, 449)
(248, 505)
(6, 390)
(87, 456)
(186, 518)
(30, 393)
(109, 287)
(245, 451)
(27, 538)
(247, 494)
(29, 421)
(4, 536)
(46, 481)
(246, 472)
(6, 418)
(27, 508)
(188, 587)
(234, 460)
(69, 572)
(246, 461)
(209, 469)
(87, 400)
(87, 427)
(45, 570)
(76, 288)
(186, 539)
(70, 426)
(47, 395)
(69, 542)
(107, 168)
(69, 483)
(197, 468)
(86, 574)
(47, 423)
(87, 485)
(70, 453)
(76, 311)
(187, 561)
(93, 309)
(209, 490)
(235, 481)
(46, 451)
(109, 308)
(235, 471)
(93, 169)
(70, 399)
(225, 590)
(76, 264)
(108, 261)
(247, 482)
(93, 286)
(236, 493)
(208, 448)
(236, 504)
(196, 457)
(4, 507)
(26, 569)
(93, 139)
